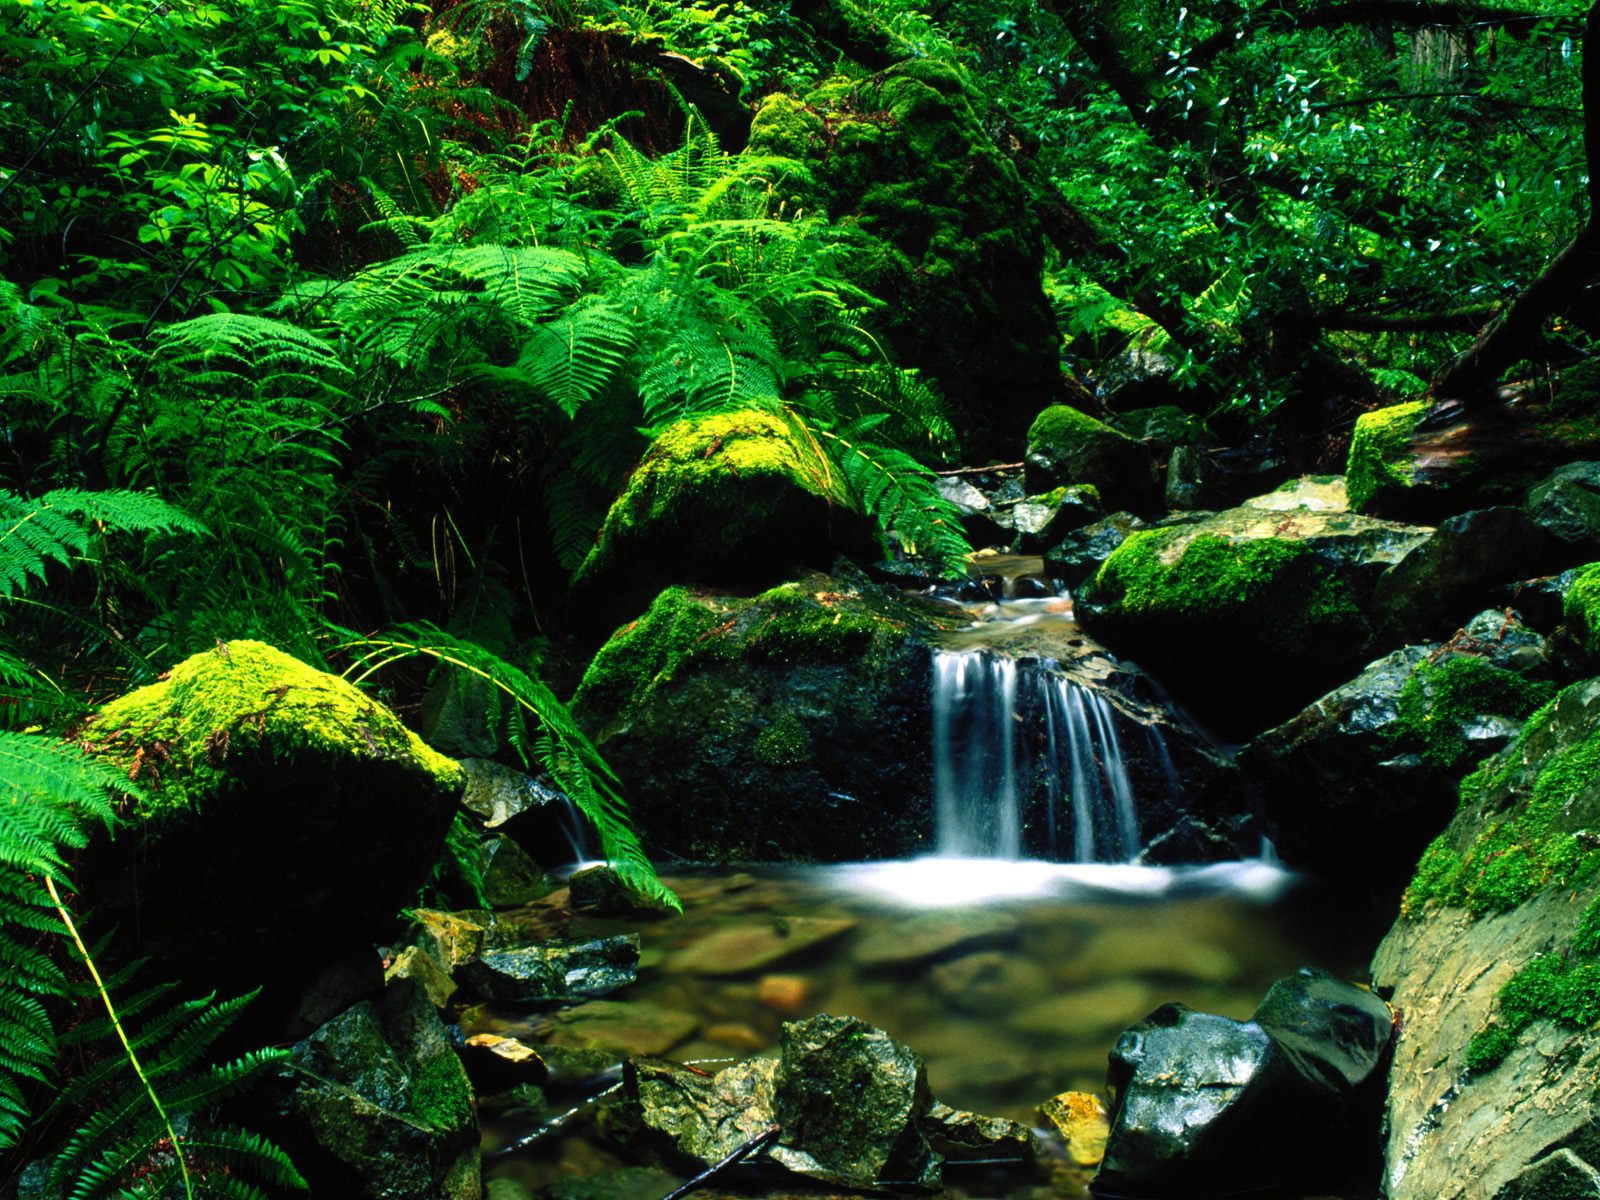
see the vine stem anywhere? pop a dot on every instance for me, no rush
(116, 1023)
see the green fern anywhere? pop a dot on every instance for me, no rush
(57, 527)
(572, 359)
(539, 727)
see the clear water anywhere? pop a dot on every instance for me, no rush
(1060, 958)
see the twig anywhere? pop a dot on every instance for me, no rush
(553, 1125)
(759, 1142)
(1016, 466)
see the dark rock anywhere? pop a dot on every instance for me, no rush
(1368, 772)
(530, 808)
(1140, 373)
(353, 977)
(966, 1137)
(555, 971)
(1330, 1029)
(1559, 1176)
(1162, 428)
(1187, 477)
(286, 816)
(601, 890)
(688, 1119)
(1432, 589)
(852, 1103)
(1566, 505)
(1210, 1107)
(1041, 521)
(1537, 601)
(496, 1063)
(510, 876)
(379, 1105)
(1067, 447)
(1080, 553)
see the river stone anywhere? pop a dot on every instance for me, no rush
(931, 935)
(416, 963)
(497, 794)
(741, 949)
(630, 1183)
(1209, 1107)
(496, 1062)
(851, 1101)
(1041, 521)
(1317, 493)
(1332, 1030)
(1084, 1123)
(380, 1106)
(1559, 1176)
(967, 1137)
(555, 971)
(1088, 1012)
(450, 938)
(621, 1027)
(510, 876)
(1566, 505)
(1079, 555)
(1165, 951)
(1067, 447)
(600, 889)
(689, 1119)
(989, 982)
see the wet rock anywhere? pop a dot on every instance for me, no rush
(1080, 553)
(498, 795)
(510, 877)
(379, 1105)
(1067, 447)
(1286, 592)
(1368, 773)
(1537, 601)
(754, 946)
(1084, 1123)
(933, 934)
(353, 977)
(1163, 428)
(966, 1137)
(1188, 474)
(450, 938)
(807, 703)
(1208, 1106)
(1429, 591)
(1140, 372)
(1566, 505)
(989, 982)
(1559, 1176)
(268, 787)
(554, 971)
(619, 1027)
(688, 1119)
(1331, 1030)
(852, 1102)
(601, 890)
(1088, 1012)
(417, 964)
(1041, 521)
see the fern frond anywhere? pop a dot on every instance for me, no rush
(574, 357)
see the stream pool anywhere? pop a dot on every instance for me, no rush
(1011, 979)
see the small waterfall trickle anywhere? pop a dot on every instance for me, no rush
(990, 755)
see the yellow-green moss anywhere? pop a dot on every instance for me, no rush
(246, 699)
(784, 743)
(1580, 610)
(1552, 988)
(1377, 452)
(1440, 697)
(1061, 429)
(441, 1094)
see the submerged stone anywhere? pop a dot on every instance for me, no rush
(555, 971)
(620, 1027)
(741, 949)
(930, 935)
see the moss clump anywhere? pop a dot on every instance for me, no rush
(1377, 451)
(646, 652)
(245, 701)
(1441, 697)
(1586, 937)
(1580, 610)
(1062, 430)
(784, 743)
(441, 1094)
(1488, 1048)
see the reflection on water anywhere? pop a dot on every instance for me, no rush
(1012, 979)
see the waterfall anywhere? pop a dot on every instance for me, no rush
(990, 756)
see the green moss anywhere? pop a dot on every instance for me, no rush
(1553, 987)
(1377, 450)
(441, 1094)
(1440, 697)
(784, 743)
(244, 700)
(1437, 880)
(1580, 609)
(785, 127)
(646, 652)
(1586, 937)
(1488, 1048)
(1061, 429)
(1269, 592)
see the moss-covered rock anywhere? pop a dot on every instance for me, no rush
(1380, 454)
(271, 787)
(949, 239)
(789, 725)
(1250, 613)
(1493, 964)
(732, 499)
(1068, 447)
(1580, 617)
(1368, 773)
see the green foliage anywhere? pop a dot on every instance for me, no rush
(538, 726)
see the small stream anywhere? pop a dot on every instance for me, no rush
(1010, 978)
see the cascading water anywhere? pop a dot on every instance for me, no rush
(989, 757)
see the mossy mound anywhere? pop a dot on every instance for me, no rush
(1380, 453)
(272, 787)
(949, 239)
(1247, 614)
(1580, 617)
(790, 725)
(1068, 447)
(735, 499)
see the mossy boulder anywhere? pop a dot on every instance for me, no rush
(1380, 467)
(790, 725)
(1250, 613)
(1368, 773)
(271, 788)
(1068, 447)
(949, 240)
(1495, 962)
(733, 499)
(1579, 635)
